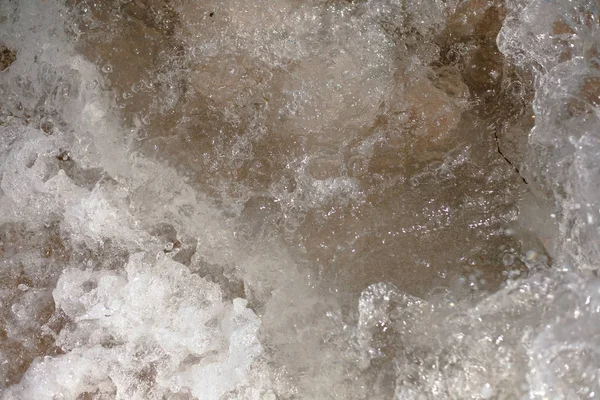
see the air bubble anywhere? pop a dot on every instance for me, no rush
(531, 255)
(508, 259)
(487, 391)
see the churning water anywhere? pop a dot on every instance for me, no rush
(299, 199)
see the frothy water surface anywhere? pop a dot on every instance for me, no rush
(371, 199)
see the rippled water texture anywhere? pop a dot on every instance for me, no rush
(286, 199)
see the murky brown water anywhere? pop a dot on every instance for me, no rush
(399, 165)
(431, 173)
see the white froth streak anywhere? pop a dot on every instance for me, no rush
(155, 314)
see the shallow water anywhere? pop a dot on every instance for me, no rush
(299, 200)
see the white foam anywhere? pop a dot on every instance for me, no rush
(156, 319)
